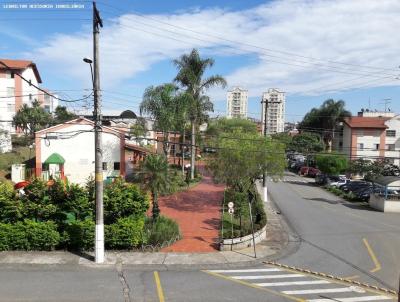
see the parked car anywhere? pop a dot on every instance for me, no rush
(313, 172)
(355, 185)
(209, 150)
(339, 182)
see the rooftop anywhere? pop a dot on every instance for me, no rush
(20, 65)
(366, 122)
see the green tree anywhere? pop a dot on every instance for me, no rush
(242, 158)
(62, 115)
(191, 69)
(139, 130)
(10, 206)
(332, 164)
(283, 138)
(160, 103)
(155, 177)
(306, 143)
(31, 119)
(225, 125)
(324, 120)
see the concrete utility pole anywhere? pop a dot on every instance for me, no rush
(265, 190)
(98, 166)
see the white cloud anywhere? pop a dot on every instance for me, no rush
(360, 32)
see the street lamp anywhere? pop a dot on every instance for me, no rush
(89, 61)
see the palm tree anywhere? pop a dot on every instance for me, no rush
(155, 178)
(160, 103)
(325, 119)
(191, 68)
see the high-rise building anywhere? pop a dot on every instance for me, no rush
(275, 101)
(237, 103)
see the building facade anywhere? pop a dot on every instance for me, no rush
(273, 101)
(67, 151)
(237, 100)
(15, 92)
(371, 138)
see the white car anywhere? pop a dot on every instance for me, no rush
(340, 182)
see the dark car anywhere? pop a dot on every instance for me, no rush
(355, 185)
(186, 154)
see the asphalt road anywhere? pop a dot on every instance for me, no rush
(341, 238)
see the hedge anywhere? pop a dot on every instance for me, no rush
(126, 233)
(162, 231)
(29, 235)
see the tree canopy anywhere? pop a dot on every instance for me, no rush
(242, 157)
(323, 120)
(191, 70)
(62, 115)
(31, 118)
(332, 164)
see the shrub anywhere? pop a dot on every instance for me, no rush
(10, 206)
(126, 233)
(77, 202)
(79, 235)
(29, 235)
(123, 200)
(161, 232)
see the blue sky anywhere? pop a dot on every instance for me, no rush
(313, 50)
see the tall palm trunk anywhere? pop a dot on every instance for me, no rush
(156, 209)
(183, 151)
(193, 157)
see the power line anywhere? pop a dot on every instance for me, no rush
(40, 89)
(246, 44)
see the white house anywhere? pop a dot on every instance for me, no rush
(67, 151)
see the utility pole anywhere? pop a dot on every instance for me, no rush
(265, 190)
(98, 157)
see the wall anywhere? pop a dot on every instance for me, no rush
(78, 152)
(394, 124)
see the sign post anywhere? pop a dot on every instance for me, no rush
(231, 211)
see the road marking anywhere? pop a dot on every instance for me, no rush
(268, 277)
(255, 286)
(293, 283)
(159, 288)
(246, 270)
(352, 277)
(354, 299)
(318, 291)
(373, 257)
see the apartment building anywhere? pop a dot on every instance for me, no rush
(14, 92)
(371, 137)
(237, 99)
(274, 101)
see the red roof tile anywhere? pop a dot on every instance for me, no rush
(366, 122)
(21, 64)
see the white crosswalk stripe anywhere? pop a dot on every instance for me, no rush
(293, 283)
(355, 299)
(318, 291)
(268, 277)
(300, 285)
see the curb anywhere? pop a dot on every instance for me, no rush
(365, 285)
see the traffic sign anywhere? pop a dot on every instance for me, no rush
(231, 211)
(230, 205)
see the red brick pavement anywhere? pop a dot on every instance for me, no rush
(197, 212)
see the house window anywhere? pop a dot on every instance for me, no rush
(30, 96)
(10, 107)
(9, 75)
(10, 91)
(391, 133)
(340, 144)
(390, 147)
(104, 166)
(117, 165)
(376, 146)
(360, 146)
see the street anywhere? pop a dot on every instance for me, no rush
(340, 238)
(329, 236)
